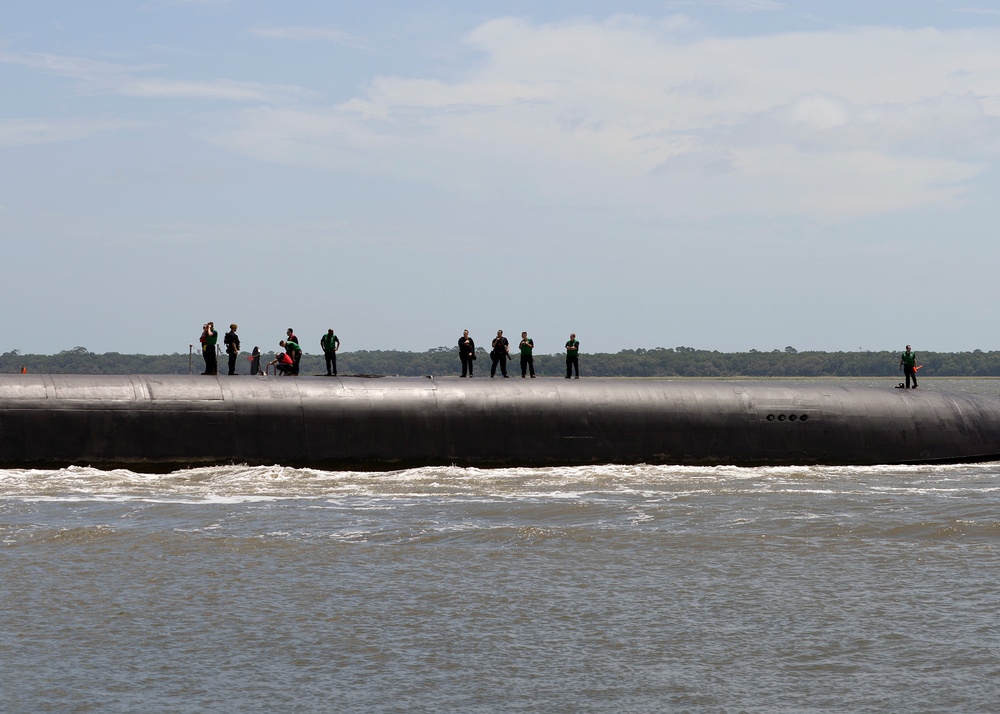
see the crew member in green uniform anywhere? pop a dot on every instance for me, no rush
(572, 356)
(527, 361)
(908, 363)
(293, 350)
(296, 353)
(330, 344)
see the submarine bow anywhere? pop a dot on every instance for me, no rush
(161, 423)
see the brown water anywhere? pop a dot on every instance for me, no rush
(612, 588)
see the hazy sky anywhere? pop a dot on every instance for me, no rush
(720, 174)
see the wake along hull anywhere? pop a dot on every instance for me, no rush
(158, 423)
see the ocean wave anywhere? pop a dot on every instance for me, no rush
(242, 483)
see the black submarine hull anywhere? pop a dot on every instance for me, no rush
(160, 423)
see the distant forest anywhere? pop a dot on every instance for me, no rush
(443, 361)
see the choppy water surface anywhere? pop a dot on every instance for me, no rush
(612, 588)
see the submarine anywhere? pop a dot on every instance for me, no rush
(161, 423)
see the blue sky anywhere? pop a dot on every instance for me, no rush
(719, 174)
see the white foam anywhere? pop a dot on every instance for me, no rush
(247, 484)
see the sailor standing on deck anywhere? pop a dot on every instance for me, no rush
(500, 355)
(209, 338)
(466, 352)
(232, 341)
(908, 363)
(526, 346)
(572, 356)
(330, 344)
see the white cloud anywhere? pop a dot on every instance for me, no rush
(98, 77)
(222, 90)
(22, 132)
(819, 112)
(80, 67)
(836, 124)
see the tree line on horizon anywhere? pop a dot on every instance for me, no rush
(443, 362)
